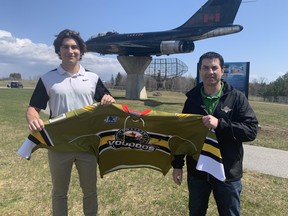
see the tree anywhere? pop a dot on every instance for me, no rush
(112, 80)
(118, 79)
(256, 88)
(276, 91)
(15, 76)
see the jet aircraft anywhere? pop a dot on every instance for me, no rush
(214, 18)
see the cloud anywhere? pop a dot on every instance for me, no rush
(105, 67)
(31, 60)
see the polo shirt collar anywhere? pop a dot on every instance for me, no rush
(61, 71)
(218, 95)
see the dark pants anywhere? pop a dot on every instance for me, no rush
(226, 194)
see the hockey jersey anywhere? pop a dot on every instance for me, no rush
(121, 138)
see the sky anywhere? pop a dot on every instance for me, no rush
(28, 29)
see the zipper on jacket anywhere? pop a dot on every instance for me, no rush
(204, 108)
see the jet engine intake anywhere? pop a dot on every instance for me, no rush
(170, 47)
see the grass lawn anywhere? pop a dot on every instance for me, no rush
(25, 185)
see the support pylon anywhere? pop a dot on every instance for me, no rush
(135, 67)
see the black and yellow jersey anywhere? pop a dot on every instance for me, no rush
(121, 138)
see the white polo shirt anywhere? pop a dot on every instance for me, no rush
(65, 92)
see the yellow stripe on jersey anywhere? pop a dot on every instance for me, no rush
(89, 108)
(39, 137)
(213, 150)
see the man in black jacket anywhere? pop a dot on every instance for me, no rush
(226, 111)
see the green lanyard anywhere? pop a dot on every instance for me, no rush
(211, 101)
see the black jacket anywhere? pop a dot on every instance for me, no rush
(237, 124)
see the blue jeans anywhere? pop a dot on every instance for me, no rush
(226, 194)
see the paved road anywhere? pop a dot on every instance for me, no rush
(265, 160)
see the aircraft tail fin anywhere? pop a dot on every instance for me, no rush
(214, 13)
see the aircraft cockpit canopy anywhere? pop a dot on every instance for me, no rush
(102, 34)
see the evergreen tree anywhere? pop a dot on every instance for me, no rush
(118, 79)
(112, 80)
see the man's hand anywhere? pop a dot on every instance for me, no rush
(177, 176)
(35, 123)
(107, 99)
(210, 121)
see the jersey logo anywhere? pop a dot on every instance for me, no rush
(111, 119)
(133, 138)
(134, 135)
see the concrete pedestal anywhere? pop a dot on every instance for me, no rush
(135, 67)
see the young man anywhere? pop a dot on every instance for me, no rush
(227, 111)
(67, 88)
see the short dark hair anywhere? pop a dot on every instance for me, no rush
(67, 33)
(211, 55)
